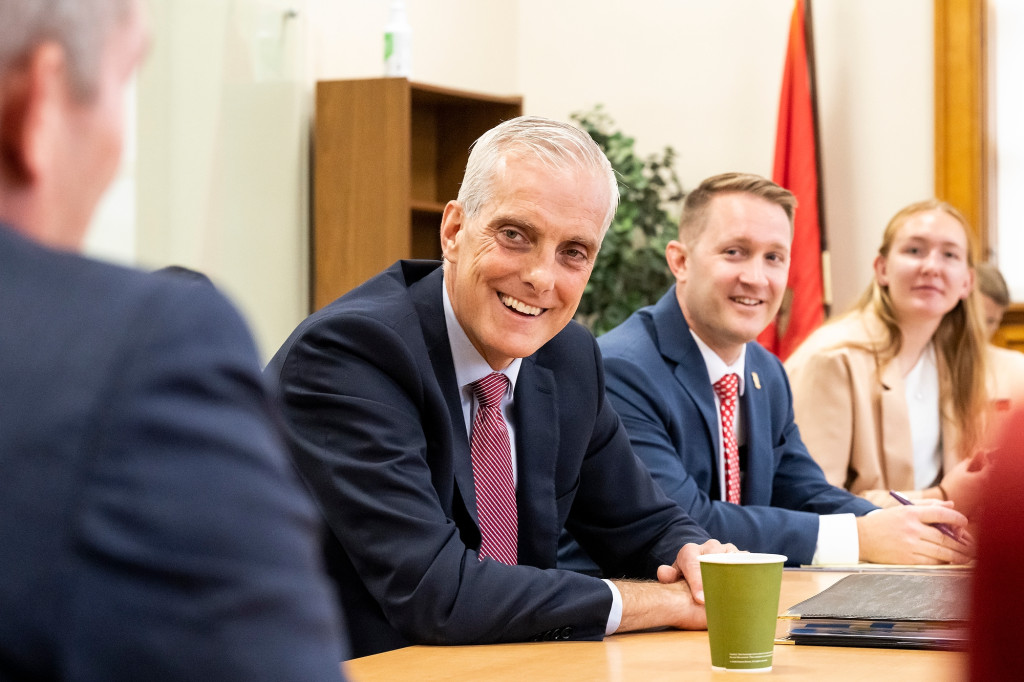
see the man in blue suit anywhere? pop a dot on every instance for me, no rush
(380, 399)
(731, 263)
(151, 526)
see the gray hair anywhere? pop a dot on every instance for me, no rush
(80, 27)
(557, 145)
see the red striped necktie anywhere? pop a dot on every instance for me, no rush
(491, 456)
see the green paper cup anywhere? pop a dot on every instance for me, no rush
(741, 593)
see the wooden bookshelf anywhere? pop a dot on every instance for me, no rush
(388, 155)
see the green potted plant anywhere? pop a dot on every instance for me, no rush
(630, 271)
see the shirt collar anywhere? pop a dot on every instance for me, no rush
(717, 367)
(469, 364)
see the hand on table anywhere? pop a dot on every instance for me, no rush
(687, 566)
(676, 600)
(905, 535)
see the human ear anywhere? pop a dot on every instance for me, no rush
(452, 221)
(881, 271)
(677, 255)
(968, 284)
(30, 101)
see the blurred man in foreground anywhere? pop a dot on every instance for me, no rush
(151, 525)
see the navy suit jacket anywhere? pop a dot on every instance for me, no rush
(378, 433)
(151, 525)
(659, 384)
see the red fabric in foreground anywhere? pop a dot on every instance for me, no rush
(998, 591)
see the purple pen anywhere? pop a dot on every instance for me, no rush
(942, 527)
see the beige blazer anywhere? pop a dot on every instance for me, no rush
(852, 412)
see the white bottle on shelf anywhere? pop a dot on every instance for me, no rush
(398, 42)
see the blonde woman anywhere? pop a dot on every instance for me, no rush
(892, 396)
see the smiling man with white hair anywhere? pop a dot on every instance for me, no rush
(451, 421)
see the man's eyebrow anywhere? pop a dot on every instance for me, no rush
(586, 242)
(513, 221)
(525, 225)
(747, 242)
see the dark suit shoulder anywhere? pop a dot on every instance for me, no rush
(378, 320)
(50, 280)
(763, 356)
(386, 295)
(55, 289)
(84, 323)
(572, 342)
(649, 333)
(635, 333)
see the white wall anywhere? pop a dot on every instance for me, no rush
(465, 44)
(223, 166)
(876, 82)
(700, 76)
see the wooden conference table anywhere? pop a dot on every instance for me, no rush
(653, 656)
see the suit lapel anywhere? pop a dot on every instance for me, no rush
(757, 420)
(895, 446)
(677, 345)
(896, 443)
(426, 296)
(535, 410)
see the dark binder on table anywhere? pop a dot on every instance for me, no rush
(890, 610)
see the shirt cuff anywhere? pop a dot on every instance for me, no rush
(837, 540)
(615, 616)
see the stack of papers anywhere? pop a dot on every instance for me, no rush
(898, 610)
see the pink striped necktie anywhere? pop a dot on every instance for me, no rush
(491, 456)
(727, 390)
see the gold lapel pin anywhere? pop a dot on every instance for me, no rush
(757, 382)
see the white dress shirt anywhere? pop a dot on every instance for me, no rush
(921, 385)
